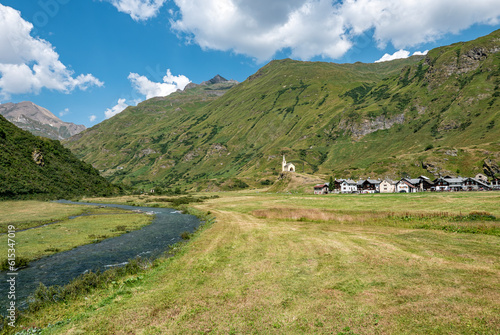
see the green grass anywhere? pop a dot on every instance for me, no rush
(250, 275)
(65, 234)
(27, 214)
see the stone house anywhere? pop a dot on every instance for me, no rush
(321, 188)
(474, 184)
(387, 186)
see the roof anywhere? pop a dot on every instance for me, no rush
(407, 182)
(480, 182)
(458, 180)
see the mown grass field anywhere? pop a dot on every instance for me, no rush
(52, 230)
(249, 273)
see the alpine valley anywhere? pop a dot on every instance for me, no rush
(424, 115)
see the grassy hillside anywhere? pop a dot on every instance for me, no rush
(36, 167)
(422, 115)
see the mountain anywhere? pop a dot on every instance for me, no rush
(38, 167)
(38, 120)
(429, 115)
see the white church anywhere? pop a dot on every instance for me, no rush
(287, 167)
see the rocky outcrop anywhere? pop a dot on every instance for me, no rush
(368, 126)
(466, 61)
(491, 168)
(37, 157)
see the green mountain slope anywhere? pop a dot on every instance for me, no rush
(422, 115)
(37, 167)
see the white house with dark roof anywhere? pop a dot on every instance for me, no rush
(348, 186)
(474, 184)
(405, 186)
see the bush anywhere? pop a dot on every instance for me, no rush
(186, 235)
(19, 262)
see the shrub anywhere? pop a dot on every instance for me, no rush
(186, 235)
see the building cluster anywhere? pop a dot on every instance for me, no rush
(409, 185)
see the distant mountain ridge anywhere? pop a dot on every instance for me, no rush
(38, 120)
(424, 115)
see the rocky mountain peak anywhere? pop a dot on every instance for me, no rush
(215, 80)
(38, 120)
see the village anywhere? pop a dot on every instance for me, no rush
(409, 185)
(404, 185)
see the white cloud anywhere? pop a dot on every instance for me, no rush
(152, 89)
(400, 54)
(261, 28)
(28, 64)
(92, 118)
(420, 53)
(64, 112)
(139, 10)
(308, 28)
(410, 23)
(118, 108)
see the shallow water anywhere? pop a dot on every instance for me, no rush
(59, 269)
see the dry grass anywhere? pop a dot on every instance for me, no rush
(252, 275)
(311, 214)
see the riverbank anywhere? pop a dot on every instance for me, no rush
(254, 273)
(50, 227)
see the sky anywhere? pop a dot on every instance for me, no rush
(87, 60)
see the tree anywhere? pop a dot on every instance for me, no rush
(330, 184)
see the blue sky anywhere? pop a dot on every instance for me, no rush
(85, 60)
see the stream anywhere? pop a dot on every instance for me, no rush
(59, 269)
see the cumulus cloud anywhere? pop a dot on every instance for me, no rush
(139, 10)
(420, 53)
(261, 28)
(400, 54)
(410, 23)
(28, 64)
(309, 28)
(397, 55)
(116, 109)
(92, 118)
(152, 89)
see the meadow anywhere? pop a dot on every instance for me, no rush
(303, 264)
(45, 228)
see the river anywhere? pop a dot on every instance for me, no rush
(59, 269)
